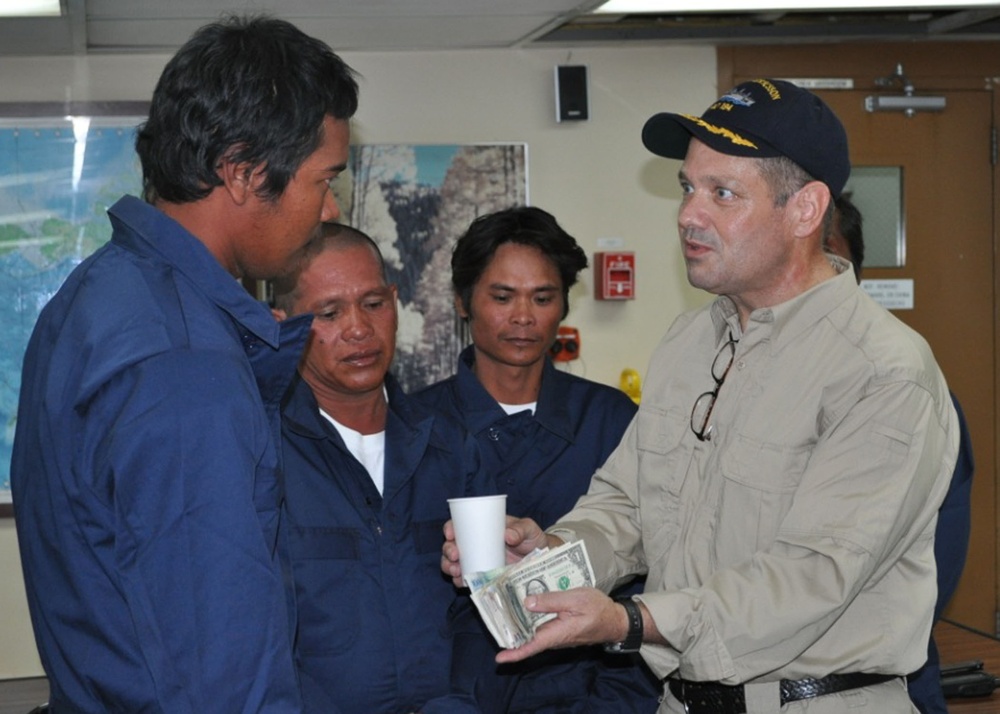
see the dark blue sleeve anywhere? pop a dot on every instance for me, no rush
(951, 544)
(452, 704)
(471, 664)
(951, 538)
(197, 567)
(924, 685)
(474, 675)
(586, 681)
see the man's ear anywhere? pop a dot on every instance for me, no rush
(810, 204)
(279, 314)
(460, 308)
(241, 180)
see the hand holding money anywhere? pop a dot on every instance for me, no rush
(499, 594)
(522, 536)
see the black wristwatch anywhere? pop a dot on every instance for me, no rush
(633, 640)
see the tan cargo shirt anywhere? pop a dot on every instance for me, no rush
(798, 541)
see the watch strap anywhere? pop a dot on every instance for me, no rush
(633, 639)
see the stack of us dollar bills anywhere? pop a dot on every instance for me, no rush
(499, 594)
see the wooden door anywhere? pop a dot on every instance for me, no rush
(948, 170)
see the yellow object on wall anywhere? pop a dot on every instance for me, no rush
(631, 384)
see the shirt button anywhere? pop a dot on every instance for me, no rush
(494, 434)
(741, 364)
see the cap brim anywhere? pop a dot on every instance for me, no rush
(669, 135)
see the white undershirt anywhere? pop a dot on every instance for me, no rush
(369, 449)
(515, 408)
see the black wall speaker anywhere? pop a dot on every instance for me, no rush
(571, 93)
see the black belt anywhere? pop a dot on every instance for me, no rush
(715, 698)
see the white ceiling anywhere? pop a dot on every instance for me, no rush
(118, 26)
(163, 25)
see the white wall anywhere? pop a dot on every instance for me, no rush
(18, 657)
(594, 176)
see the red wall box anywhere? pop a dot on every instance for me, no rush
(614, 276)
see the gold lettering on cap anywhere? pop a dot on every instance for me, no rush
(721, 131)
(769, 88)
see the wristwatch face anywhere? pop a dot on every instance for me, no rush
(620, 647)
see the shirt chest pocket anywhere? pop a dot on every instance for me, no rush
(756, 491)
(323, 544)
(664, 461)
(659, 436)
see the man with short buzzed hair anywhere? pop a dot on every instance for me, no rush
(368, 475)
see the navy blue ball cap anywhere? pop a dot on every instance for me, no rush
(759, 119)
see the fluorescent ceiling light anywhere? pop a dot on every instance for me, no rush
(622, 7)
(30, 8)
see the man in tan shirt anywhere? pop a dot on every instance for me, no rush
(780, 483)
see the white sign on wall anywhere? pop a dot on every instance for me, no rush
(890, 294)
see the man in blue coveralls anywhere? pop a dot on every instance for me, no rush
(542, 433)
(145, 470)
(368, 475)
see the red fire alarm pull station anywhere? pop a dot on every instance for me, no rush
(615, 276)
